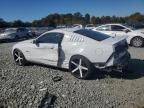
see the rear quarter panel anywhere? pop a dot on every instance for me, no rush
(89, 48)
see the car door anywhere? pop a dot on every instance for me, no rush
(24, 32)
(119, 30)
(106, 29)
(20, 32)
(46, 48)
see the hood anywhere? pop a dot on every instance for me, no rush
(26, 41)
(139, 30)
(22, 44)
(114, 40)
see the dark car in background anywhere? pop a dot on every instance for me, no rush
(136, 25)
(36, 31)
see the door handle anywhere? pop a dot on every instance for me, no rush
(52, 48)
(114, 34)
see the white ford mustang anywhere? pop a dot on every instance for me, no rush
(79, 50)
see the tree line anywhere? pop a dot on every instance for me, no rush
(76, 18)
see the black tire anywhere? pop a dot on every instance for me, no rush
(82, 71)
(21, 61)
(137, 41)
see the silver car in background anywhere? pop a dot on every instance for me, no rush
(15, 34)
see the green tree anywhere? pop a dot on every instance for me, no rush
(93, 20)
(87, 18)
(136, 17)
(3, 23)
(77, 17)
(17, 23)
(68, 18)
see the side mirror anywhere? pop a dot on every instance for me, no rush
(34, 41)
(126, 30)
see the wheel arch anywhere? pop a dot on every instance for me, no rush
(17, 49)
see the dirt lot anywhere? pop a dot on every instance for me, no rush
(25, 87)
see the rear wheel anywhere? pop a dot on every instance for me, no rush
(19, 57)
(80, 67)
(137, 41)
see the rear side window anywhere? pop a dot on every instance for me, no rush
(104, 28)
(92, 34)
(117, 28)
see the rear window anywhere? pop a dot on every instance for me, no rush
(92, 34)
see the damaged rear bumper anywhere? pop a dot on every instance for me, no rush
(117, 65)
(121, 64)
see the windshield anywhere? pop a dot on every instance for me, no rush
(128, 26)
(92, 34)
(137, 26)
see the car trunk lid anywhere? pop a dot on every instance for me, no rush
(114, 40)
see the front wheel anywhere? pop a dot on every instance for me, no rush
(137, 42)
(19, 57)
(80, 67)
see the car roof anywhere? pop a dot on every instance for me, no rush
(109, 24)
(112, 24)
(65, 30)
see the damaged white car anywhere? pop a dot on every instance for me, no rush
(79, 50)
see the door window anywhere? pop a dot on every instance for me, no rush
(104, 28)
(117, 28)
(50, 38)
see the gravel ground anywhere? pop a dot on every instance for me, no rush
(26, 87)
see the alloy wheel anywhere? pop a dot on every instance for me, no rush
(18, 56)
(79, 68)
(137, 42)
